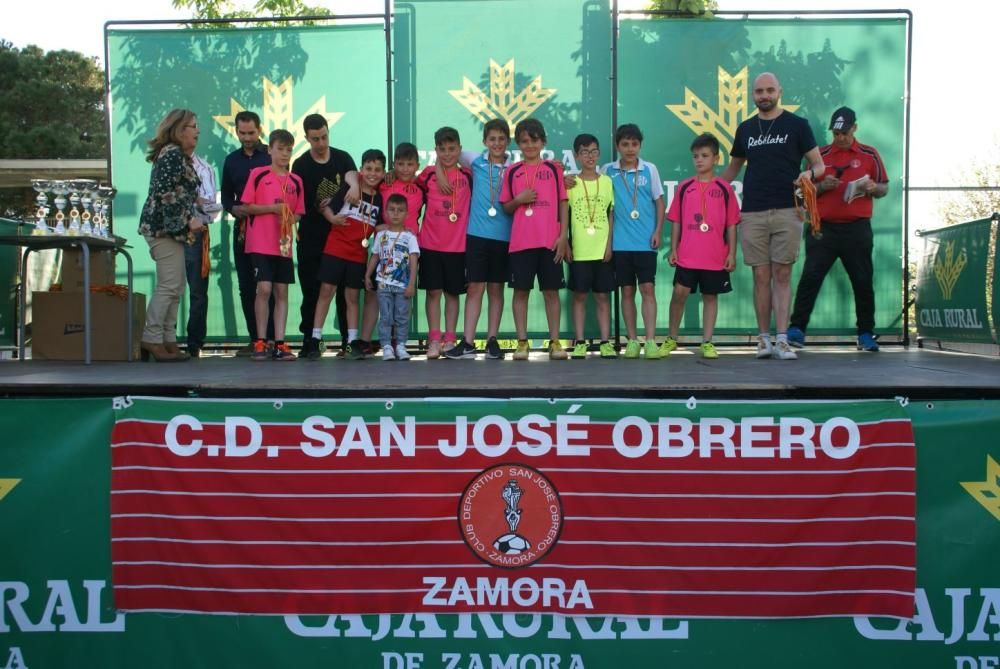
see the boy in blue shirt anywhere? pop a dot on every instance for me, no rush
(638, 225)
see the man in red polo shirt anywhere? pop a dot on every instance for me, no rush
(854, 176)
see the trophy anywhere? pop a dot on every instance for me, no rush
(40, 186)
(60, 189)
(87, 199)
(78, 187)
(105, 193)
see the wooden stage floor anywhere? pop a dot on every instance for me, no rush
(819, 373)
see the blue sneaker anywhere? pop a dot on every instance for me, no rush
(796, 337)
(866, 342)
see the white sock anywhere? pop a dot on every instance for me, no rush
(352, 334)
(765, 336)
(317, 333)
(783, 336)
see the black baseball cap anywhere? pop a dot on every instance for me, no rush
(843, 119)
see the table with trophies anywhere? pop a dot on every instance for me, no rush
(87, 227)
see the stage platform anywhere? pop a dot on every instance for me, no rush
(819, 373)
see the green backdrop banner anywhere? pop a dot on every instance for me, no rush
(283, 74)
(55, 591)
(674, 77)
(951, 283)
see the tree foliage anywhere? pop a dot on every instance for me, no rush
(971, 205)
(693, 7)
(228, 9)
(51, 104)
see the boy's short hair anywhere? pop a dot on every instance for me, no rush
(628, 131)
(314, 122)
(706, 140)
(533, 127)
(406, 151)
(247, 117)
(397, 198)
(373, 155)
(584, 139)
(446, 134)
(280, 136)
(497, 124)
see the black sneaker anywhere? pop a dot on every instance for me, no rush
(311, 349)
(462, 349)
(493, 350)
(355, 350)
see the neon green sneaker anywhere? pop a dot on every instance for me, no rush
(608, 350)
(579, 352)
(556, 350)
(708, 351)
(522, 350)
(669, 346)
(632, 350)
(651, 351)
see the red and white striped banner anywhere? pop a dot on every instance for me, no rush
(606, 508)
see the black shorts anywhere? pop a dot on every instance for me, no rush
(341, 273)
(486, 260)
(273, 269)
(527, 264)
(711, 281)
(591, 276)
(634, 267)
(442, 270)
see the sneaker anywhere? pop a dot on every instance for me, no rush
(579, 351)
(447, 345)
(401, 352)
(367, 348)
(433, 349)
(796, 337)
(708, 351)
(782, 351)
(764, 347)
(493, 350)
(556, 350)
(245, 352)
(523, 349)
(651, 351)
(668, 346)
(260, 353)
(388, 353)
(355, 350)
(462, 349)
(608, 350)
(311, 349)
(283, 353)
(632, 350)
(866, 342)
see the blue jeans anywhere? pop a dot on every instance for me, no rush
(197, 323)
(393, 310)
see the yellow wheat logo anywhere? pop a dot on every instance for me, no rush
(948, 270)
(276, 112)
(987, 492)
(733, 108)
(6, 485)
(503, 101)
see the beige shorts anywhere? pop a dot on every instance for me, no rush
(770, 236)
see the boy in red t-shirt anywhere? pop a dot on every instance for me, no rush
(346, 253)
(442, 239)
(703, 216)
(273, 199)
(533, 192)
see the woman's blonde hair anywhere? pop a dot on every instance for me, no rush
(169, 131)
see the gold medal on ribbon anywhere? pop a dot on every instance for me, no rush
(704, 227)
(452, 217)
(364, 242)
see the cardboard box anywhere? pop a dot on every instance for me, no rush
(57, 326)
(102, 268)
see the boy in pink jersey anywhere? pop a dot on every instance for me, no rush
(403, 175)
(273, 199)
(703, 217)
(442, 239)
(533, 192)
